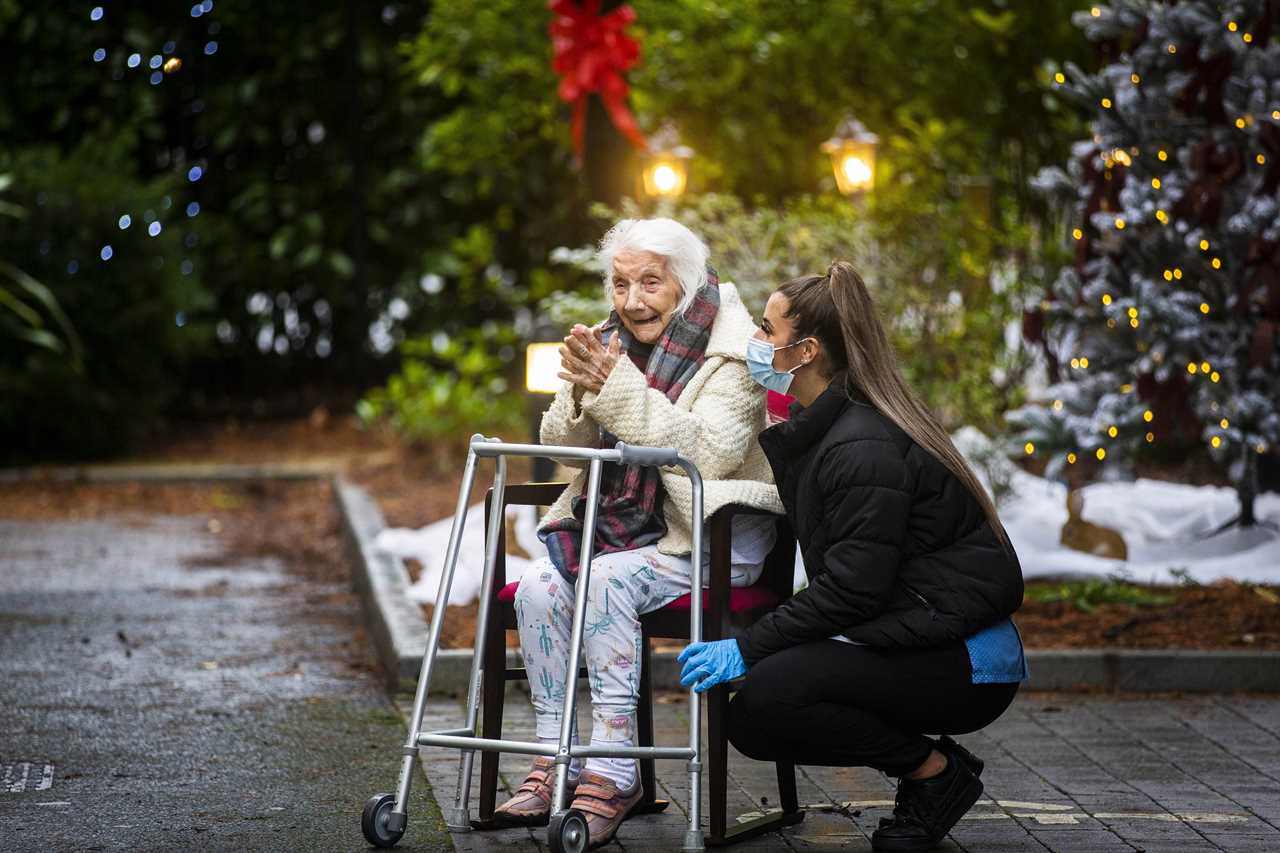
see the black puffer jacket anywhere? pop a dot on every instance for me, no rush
(898, 552)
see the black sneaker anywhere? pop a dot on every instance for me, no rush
(924, 811)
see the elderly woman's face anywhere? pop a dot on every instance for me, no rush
(645, 293)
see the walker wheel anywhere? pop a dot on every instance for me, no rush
(567, 832)
(374, 821)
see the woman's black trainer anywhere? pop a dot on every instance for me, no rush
(924, 811)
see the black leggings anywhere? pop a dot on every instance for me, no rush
(840, 705)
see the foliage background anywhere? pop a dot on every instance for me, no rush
(379, 181)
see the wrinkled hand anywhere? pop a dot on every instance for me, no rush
(709, 664)
(585, 361)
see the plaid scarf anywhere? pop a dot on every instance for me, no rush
(630, 512)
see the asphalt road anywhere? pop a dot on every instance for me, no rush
(156, 694)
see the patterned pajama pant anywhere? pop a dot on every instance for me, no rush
(623, 585)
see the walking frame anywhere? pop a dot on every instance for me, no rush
(385, 815)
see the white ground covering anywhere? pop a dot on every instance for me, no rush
(1166, 527)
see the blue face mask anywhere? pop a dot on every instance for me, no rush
(760, 363)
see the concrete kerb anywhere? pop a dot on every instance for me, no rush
(398, 627)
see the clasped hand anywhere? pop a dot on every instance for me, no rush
(585, 361)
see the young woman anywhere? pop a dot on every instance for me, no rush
(904, 626)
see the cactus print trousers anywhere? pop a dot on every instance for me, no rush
(623, 585)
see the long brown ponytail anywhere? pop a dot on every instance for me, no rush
(839, 312)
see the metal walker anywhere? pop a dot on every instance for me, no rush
(386, 815)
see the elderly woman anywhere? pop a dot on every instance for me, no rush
(668, 368)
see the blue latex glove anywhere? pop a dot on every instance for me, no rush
(709, 664)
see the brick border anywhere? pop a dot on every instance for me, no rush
(399, 630)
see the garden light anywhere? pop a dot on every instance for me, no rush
(853, 156)
(666, 170)
(541, 364)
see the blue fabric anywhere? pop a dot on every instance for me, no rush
(995, 654)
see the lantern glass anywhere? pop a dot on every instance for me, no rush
(541, 364)
(665, 177)
(854, 164)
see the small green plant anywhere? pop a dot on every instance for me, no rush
(1087, 595)
(449, 388)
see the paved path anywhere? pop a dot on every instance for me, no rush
(1064, 773)
(155, 695)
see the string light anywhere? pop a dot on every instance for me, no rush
(1101, 453)
(1151, 436)
(1084, 362)
(1059, 78)
(1214, 377)
(1204, 307)
(1261, 160)
(1133, 312)
(1119, 223)
(1163, 217)
(1240, 123)
(1077, 234)
(1168, 275)
(1204, 367)
(1224, 423)
(1173, 49)
(1057, 405)
(1029, 448)
(1148, 415)
(1126, 388)
(1095, 11)
(1216, 441)
(1112, 431)
(1177, 273)
(1216, 263)
(1106, 299)
(1071, 459)
(1075, 363)
(1191, 367)
(1155, 183)
(1232, 26)
(1162, 155)
(1204, 245)
(1248, 38)
(1106, 103)
(1135, 79)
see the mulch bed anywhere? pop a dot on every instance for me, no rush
(297, 523)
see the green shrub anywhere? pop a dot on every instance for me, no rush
(133, 311)
(450, 388)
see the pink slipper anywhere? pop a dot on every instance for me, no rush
(530, 805)
(604, 806)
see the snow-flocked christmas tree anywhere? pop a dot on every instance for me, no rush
(1164, 326)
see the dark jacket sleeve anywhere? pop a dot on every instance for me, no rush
(866, 501)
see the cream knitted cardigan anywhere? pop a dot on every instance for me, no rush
(714, 423)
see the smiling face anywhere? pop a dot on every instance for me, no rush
(645, 293)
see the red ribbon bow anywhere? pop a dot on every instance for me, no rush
(591, 54)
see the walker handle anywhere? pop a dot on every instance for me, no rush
(654, 456)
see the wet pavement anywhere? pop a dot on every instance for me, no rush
(156, 694)
(1063, 773)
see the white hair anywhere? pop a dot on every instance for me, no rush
(686, 254)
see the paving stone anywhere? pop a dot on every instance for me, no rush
(1096, 774)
